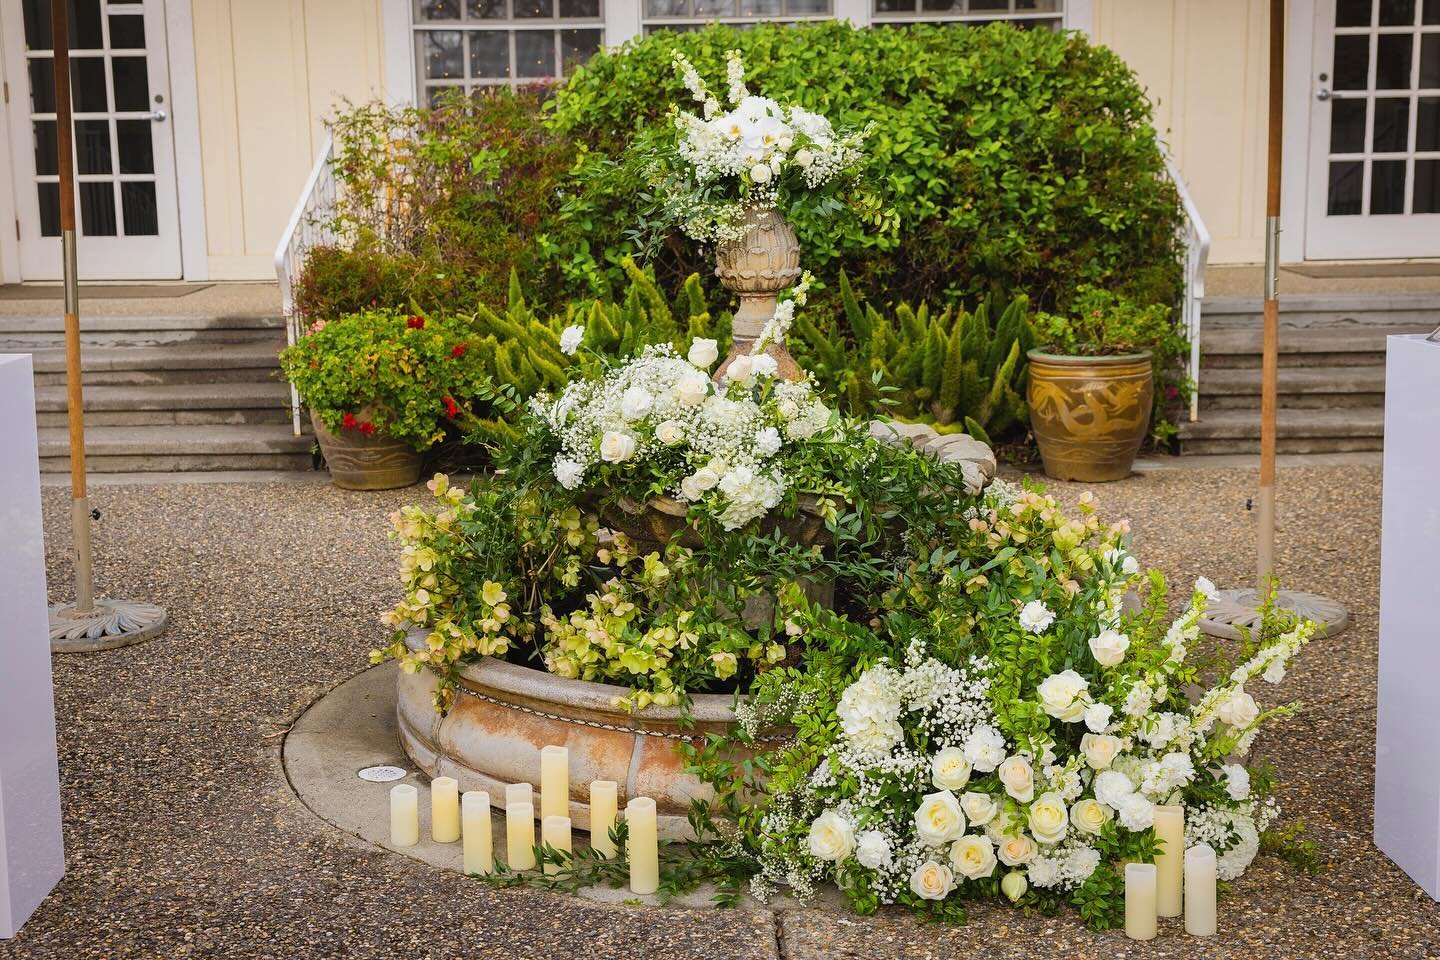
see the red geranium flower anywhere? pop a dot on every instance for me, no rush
(367, 428)
(458, 351)
(451, 407)
(348, 423)
(416, 323)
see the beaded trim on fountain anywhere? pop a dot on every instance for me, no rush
(595, 723)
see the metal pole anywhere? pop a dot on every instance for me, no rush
(79, 501)
(1270, 363)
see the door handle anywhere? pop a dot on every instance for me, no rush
(158, 116)
(1325, 93)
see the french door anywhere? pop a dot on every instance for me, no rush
(1374, 184)
(127, 212)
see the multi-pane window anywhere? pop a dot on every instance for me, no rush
(693, 14)
(1025, 13)
(472, 43)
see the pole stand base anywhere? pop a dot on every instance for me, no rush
(1241, 608)
(113, 623)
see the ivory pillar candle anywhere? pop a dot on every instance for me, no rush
(1170, 861)
(520, 836)
(1140, 922)
(475, 829)
(404, 815)
(519, 793)
(604, 800)
(554, 782)
(643, 845)
(444, 810)
(555, 832)
(1200, 890)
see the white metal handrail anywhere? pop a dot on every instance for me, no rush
(1197, 254)
(311, 225)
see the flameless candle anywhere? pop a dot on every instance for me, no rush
(1140, 923)
(643, 845)
(555, 832)
(1200, 890)
(554, 782)
(1170, 861)
(520, 836)
(444, 810)
(475, 819)
(404, 815)
(519, 793)
(604, 798)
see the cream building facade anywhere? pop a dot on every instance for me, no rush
(199, 120)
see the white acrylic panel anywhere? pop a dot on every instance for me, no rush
(32, 857)
(1407, 749)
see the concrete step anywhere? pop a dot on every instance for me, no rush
(47, 331)
(178, 404)
(175, 364)
(1315, 347)
(1297, 431)
(126, 449)
(1300, 388)
(1308, 311)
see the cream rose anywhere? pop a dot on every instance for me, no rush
(692, 389)
(980, 808)
(761, 173)
(832, 837)
(741, 370)
(973, 856)
(1089, 815)
(616, 446)
(1109, 648)
(1015, 851)
(1014, 885)
(1239, 711)
(1100, 750)
(694, 486)
(1018, 778)
(939, 818)
(1064, 695)
(670, 432)
(931, 881)
(1048, 818)
(703, 352)
(949, 770)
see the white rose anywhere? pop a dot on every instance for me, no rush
(1136, 813)
(741, 371)
(1097, 717)
(616, 446)
(985, 748)
(980, 808)
(1035, 617)
(670, 432)
(764, 365)
(1109, 648)
(939, 818)
(1237, 782)
(694, 486)
(1100, 750)
(832, 837)
(872, 849)
(1064, 695)
(568, 473)
(1049, 818)
(803, 158)
(1014, 885)
(1017, 850)
(635, 403)
(1239, 711)
(703, 352)
(949, 770)
(1112, 787)
(1018, 778)
(973, 857)
(692, 389)
(1090, 815)
(931, 881)
(761, 173)
(571, 338)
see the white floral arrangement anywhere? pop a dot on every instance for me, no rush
(758, 154)
(659, 418)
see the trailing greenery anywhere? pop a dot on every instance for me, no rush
(953, 368)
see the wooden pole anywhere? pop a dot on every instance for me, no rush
(64, 127)
(1270, 362)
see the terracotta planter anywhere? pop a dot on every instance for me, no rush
(758, 267)
(1090, 414)
(504, 713)
(358, 462)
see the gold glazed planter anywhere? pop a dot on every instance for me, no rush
(758, 267)
(1090, 414)
(358, 462)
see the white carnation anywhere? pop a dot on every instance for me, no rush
(571, 338)
(1035, 617)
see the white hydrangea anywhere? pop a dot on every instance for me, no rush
(869, 712)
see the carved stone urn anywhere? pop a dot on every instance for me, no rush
(758, 267)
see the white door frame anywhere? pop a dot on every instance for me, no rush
(1295, 161)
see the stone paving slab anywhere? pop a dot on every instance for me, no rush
(184, 838)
